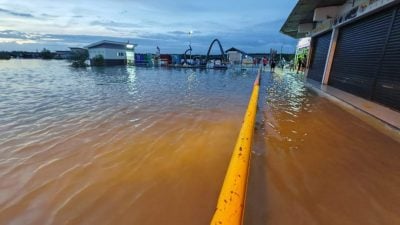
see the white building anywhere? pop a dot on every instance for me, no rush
(235, 56)
(114, 53)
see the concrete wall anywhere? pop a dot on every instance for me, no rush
(365, 6)
(344, 13)
(349, 5)
(108, 53)
(235, 57)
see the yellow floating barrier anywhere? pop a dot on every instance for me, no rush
(231, 201)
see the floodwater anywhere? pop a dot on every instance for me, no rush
(315, 163)
(126, 145)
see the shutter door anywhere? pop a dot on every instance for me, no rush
(318, 60)
(358, 54)
(387, 88)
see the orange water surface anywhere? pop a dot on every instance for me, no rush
(126, 145)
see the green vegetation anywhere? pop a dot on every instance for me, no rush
(98, 60)
(78, 58)
(46, 54)
(5, 55)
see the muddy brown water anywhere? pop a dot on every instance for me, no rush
(314, 163)
(151, 146)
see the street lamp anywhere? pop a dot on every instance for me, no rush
(190, 44)
(190, 37)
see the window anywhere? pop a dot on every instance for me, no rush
(121, 54)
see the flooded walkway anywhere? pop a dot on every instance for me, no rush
(315, 163)
(151, 146)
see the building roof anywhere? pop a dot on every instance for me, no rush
(235, 50)
(76, 48)
(303, 12)
(109, 42)
(63, 51)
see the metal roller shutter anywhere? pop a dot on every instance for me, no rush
(358, 54)
(318, 60)
(387, 87)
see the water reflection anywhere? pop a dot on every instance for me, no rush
(286, 92)
(131, 70)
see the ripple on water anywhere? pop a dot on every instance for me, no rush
(114, 145)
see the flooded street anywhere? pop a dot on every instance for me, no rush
(115, 145)
(131, 145)
(315, 163)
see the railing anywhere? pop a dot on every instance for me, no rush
(231, 201)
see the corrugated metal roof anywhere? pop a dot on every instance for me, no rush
(235, 50)
(303, 12)
(109, 42)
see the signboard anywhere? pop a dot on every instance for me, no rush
(304, 43)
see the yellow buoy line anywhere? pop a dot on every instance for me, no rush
(231, 201)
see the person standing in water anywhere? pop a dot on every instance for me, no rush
(265, 61)
(299, 62)
(291, 65)
(273, 65)
(304, 64)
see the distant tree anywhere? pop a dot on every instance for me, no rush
(78, 58)
(46, 54)
(98, 60)
(5, 55)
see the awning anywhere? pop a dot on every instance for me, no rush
(302, 13)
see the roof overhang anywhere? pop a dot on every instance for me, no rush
(124, 44)
(235, 50)
(303, 13)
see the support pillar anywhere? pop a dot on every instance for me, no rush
(330, 56)
(310, 54)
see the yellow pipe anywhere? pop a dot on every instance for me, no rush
(231, 201)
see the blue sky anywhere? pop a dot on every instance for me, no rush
(250, 25)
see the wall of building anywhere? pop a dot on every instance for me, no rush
(356, 8)
(130, 57)
(235, 57)
(365, 5)
(108, 53)
(347, 12)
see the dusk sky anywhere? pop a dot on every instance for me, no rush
(250, 25)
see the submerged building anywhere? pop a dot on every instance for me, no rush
(113, 53)
(355, 46)
(235, 56)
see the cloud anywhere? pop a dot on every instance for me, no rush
(169, 42)
(19, 35)
(17, 41)
(177, 32)
(14, 13)
(252, 26)
(48, 15)
(22, 38)
(113, 24)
